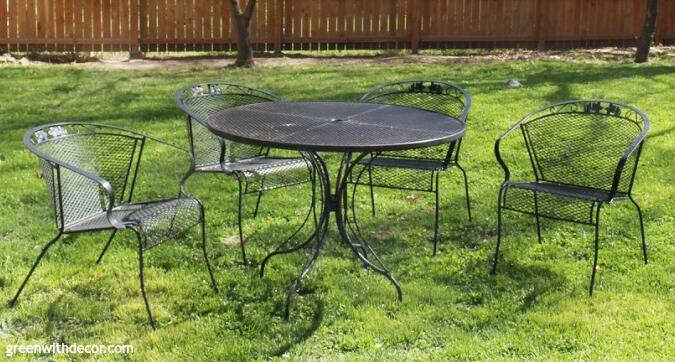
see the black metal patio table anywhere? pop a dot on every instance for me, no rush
(345, 127)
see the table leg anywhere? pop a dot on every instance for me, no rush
(319, 233)
(333, 203)
(284, 247)
(356, 242)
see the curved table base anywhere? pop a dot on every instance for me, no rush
(348, 229)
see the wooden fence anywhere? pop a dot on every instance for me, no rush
(176, 25)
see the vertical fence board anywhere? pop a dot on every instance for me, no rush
(324, 24)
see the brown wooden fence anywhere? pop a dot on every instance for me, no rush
(158, 25)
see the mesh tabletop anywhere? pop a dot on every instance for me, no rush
(335, 126)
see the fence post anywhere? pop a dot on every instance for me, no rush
(415, 25)
(278, 31)
(134, 35)
(541, 32)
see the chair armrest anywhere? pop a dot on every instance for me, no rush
(103, 184)
(635, 146)
(498, 155)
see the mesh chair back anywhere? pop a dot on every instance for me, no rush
(74, 155)
(580, 143)
(430, 95)
(199, 101)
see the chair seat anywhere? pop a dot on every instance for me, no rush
(256, 166)
(577, 192)
(157, 221)
(407, 163)
(264, 173)
(563, 202)
(398, 173)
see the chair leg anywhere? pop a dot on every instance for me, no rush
(257, 204)
(536, 216)
(436, 217)
(642, 229)
(240, 226)
(372, 193)
(105, 248)
(37, 261)
(206, 255)
(141, 277)
(313, 180)
(499, 232)
(181, 187)
(595, 255)
(466, 190)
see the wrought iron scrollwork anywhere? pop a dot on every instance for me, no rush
(593, 107)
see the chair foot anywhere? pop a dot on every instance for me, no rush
(642, 230)
(466, 190)
(141, 277)
(206, 257)
(30, 273)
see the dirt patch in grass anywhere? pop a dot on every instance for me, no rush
(159, 61)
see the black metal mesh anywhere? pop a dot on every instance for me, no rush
(336, 126)
(575, 149)
(200, 101)
(581, 148)
(262, 174)
(205, 146)
(547, 204)
(404, 173)
(404, 169)
(435, 96)
(107, 153)
(161, 221)
(74, 155)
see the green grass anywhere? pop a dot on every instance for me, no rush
(536, 307)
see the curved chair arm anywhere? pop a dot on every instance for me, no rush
(103, 184)
(507, 173)
(632, 148)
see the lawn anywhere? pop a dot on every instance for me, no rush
(536, 307)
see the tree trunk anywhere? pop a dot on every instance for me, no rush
(644, 42)
(244, 49)
(242, 21)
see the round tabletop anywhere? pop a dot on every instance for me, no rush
(335, 126)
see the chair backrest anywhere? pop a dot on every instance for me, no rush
(581, 143)
(430, 95)
(199, 101)
(74, 156)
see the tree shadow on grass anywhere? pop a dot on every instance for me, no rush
(511, 278)
(589, 75)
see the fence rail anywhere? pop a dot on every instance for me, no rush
(176, 25)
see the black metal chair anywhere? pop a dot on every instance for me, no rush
(253, 167)
(584, 154)
(90, 171)
(416, 169)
